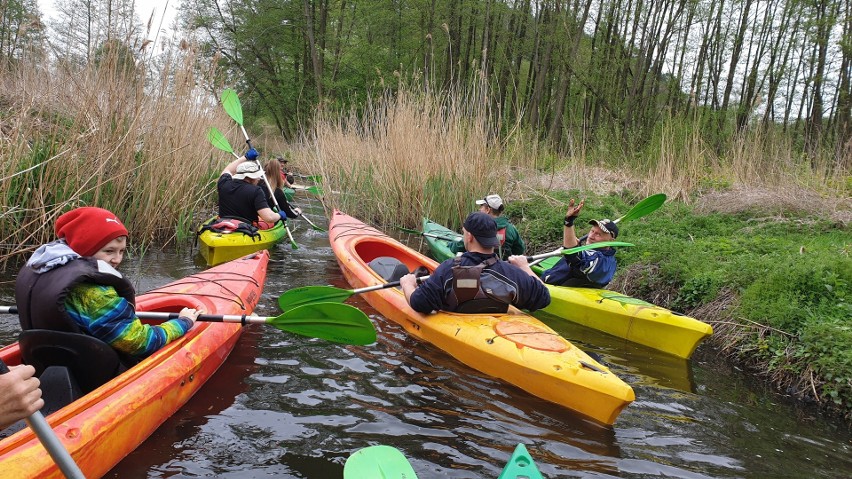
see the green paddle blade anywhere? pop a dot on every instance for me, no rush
(232, 106)
(296, 297)
(314, 190)
(648, 205)
(520, 465)
(335, 322)
(218, 140)
(378, 462)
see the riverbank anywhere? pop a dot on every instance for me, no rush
(770, 272)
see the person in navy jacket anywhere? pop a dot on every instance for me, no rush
(591, 268)
(478, 281)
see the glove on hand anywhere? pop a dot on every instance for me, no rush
(251, 154)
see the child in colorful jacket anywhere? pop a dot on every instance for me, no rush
(71, 285)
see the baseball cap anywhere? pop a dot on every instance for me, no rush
(607, 226)
(483, 228)
(493, 201)
(248, 169)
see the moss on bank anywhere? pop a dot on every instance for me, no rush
(776, 288)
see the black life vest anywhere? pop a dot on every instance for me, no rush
(41, 297)
(479, 289)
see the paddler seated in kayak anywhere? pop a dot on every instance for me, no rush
(592, 268)
(21, 395)
(286, 177)
(72, 285)
(510, 240)
(241, 195)
(478, 281)
(274, 176)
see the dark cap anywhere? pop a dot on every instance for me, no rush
(483, 228)
(607, 226)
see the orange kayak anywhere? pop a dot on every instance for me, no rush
(102, 427)
(514, 347)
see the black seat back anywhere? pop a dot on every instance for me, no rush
(389, 268)
(90, 361)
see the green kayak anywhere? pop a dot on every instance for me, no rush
(378, 462)
(520, 466)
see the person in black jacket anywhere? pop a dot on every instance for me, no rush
(242, 196)
(477, 281)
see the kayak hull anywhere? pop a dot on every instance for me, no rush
(514, 347)
(218, 248)
(102, 427)
(607, 311)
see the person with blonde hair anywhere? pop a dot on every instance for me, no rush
(277, 183)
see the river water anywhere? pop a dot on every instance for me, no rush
(291, 407)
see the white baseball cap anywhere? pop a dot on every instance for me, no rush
(248, 169)
(493, 201)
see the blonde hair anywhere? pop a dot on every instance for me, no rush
(273, 174)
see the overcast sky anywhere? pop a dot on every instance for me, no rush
(143, 10)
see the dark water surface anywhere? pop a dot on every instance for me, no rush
(292, 407)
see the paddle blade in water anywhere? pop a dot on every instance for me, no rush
(218, 140)
(335, 322)
(644, 207)
(378, 462)
(296, 297)
(232, 106)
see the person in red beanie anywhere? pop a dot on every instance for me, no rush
(71, 284)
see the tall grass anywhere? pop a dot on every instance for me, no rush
(108, 136)
(411, 154)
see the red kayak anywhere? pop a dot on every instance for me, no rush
(105, 425)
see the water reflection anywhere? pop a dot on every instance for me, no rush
(292, 407)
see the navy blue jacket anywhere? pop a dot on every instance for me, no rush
(591, 268)
(432, 294)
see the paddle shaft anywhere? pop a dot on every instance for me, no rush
(239, 120)
(640, 209)
(50, 441)
(430, 235)
(214, 318)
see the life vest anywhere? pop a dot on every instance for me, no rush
(231, 225)
(41, 297)
(479, 289)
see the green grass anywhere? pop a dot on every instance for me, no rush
(789, 278)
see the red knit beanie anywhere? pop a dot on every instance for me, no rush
(88, 229)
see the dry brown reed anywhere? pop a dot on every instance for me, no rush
(410, 155)
(133, 142)
(431, 154)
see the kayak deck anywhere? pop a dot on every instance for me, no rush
(102, 427)
(607, 311)
(514, 346)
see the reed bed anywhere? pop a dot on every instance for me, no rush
(126, 139)
(409, 155)
(412, 154)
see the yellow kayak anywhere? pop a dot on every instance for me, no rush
(629, 318)
(218, 248)
(514, 347)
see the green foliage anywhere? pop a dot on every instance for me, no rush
(795, 280)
